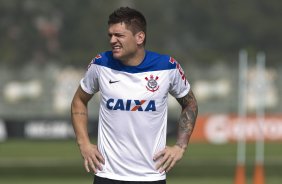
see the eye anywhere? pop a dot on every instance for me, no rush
(119, 35)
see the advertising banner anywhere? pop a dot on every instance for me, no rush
(224, 128)
(215, 128)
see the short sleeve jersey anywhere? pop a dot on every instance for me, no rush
(133, 112)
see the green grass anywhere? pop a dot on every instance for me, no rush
(59, 162)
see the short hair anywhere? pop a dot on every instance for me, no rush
(133, 19)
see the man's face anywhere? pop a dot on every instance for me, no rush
(123, 43)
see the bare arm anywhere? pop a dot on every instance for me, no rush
(79, 114)
(168, 157)
(187, 119)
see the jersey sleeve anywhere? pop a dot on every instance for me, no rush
(179, 86)
(89, 83)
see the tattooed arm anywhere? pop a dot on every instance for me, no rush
(168, 157)
(92, 157)
(187, 119)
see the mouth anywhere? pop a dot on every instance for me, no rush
(116, 48)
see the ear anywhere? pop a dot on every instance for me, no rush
(140, 37)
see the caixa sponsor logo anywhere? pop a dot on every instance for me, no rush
(131, 105)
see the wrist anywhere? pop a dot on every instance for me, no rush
(181, 146)
(83, 142)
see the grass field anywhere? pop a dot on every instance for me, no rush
(59, 162)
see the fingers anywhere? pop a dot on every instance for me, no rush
(93, 163)
(165, 163)
(98, 161)
(167, 159)
(162, 160)
(101, 158)
(87, 163)
(172, 164)
(159, 155)
(93, 160)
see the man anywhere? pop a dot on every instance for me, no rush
(134, 84)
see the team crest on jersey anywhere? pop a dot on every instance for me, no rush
(152, 84)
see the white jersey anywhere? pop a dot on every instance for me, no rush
(133, 112)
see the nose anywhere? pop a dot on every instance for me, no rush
(113, 39)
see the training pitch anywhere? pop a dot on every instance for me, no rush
(59, 162)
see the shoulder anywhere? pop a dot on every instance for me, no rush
(161, 61)
(102, 58)
(105, 59)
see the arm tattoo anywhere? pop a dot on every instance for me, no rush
(187, 119)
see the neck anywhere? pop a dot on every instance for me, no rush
(135, 59)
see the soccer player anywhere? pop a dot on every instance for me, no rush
(134, 84)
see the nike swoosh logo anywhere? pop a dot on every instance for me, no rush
(111, 82)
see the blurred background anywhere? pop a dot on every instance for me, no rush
(45, 47)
